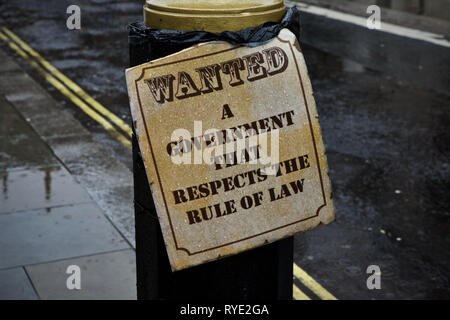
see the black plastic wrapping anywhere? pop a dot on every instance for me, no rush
(162, 42)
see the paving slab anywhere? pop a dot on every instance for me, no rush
(107, 276)
(91, 164)
(15, 285)
(55, 234)
(39, 188)
(20, 146)
(108, 181)
(116, 201)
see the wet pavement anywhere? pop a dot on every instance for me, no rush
(50, 218)
(387, 143)
(100, 45)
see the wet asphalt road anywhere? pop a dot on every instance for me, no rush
(387, 144)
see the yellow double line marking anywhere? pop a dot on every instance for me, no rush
(98, 112)
(311, 284)
(69, 88)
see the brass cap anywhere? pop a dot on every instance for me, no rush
(211, 15)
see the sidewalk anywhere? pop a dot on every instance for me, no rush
(63, 201)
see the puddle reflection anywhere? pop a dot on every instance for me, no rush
(38, 188)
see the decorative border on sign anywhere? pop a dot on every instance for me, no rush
(156, 167)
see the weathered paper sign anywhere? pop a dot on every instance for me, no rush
(232, 147)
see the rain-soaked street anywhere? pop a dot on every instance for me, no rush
(387, 143)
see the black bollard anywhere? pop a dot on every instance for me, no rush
(261, 273)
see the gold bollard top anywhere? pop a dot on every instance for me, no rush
(211, 15)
